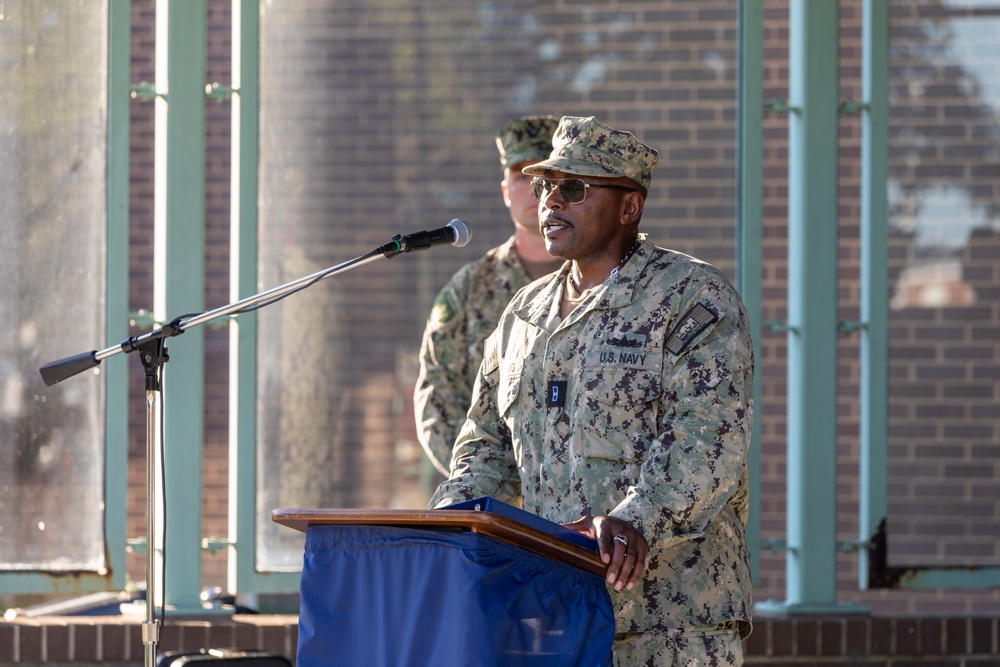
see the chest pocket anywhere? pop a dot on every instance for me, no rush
(512, 356)
(509, 382)
(618, 411)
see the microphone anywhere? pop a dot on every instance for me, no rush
(456, 233)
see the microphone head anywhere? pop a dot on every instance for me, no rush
(463, 234)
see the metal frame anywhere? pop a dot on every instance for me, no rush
(811, 545)
(874, 282)
(874, 568)
(116, 294)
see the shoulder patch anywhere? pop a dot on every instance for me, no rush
(441, 313)
(693, 323)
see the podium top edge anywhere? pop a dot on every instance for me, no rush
(476, 521)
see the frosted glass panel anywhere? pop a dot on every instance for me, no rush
(52, 219)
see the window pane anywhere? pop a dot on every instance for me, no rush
(944, 318)
(377, 118)
(52, 206)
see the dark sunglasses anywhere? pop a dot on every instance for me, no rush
(571, 190)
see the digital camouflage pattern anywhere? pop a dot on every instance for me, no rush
(697, 647)
(465, 312)
(588, 147)
(526, 139)
(653, 437)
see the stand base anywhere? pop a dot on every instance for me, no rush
(785, 608)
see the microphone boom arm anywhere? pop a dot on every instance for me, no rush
(56, 371)
(457, 233)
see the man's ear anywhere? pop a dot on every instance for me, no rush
(505, 190)
(632, 205)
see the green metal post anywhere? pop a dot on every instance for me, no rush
(179, 250)
(748, 220)
(812, 306)
(242, 282)
(874, 283)
(116, 324)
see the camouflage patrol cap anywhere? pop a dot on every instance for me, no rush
(527, 138)
(588, 147)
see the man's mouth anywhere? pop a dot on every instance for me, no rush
(552, 226)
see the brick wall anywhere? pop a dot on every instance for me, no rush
(870, 641)
(805, 642)
(117, 641)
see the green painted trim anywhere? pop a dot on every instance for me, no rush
(806, 608)
(117, 258)
(812, 305)
(749, 229)
(52, 582)
(242, 281)
(953, 578)
(179, 283)
(874, 281)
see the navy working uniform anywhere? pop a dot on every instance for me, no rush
(637, 405)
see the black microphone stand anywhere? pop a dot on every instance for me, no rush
(153, 355)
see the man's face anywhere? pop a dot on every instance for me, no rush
(520, 198)
(584, 230)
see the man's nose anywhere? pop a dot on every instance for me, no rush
(552, 199)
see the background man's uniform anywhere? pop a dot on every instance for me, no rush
(467, 310)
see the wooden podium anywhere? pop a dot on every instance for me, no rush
(462, 588)
(500, 527)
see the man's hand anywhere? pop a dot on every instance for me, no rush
(622, 547)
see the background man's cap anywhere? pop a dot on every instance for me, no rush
(528, 138)
(588, 147)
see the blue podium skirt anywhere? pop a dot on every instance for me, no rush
(377, 595)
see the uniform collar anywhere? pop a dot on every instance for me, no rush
(616, 292)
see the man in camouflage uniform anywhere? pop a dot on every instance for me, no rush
(468, 308)
(615, 397)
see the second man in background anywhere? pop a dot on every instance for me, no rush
(467, 310)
